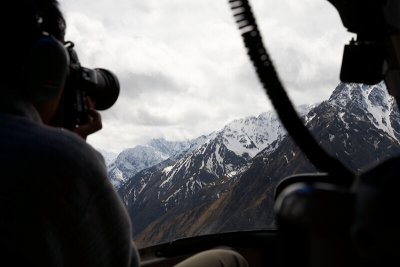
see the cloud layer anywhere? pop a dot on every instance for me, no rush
(183, 68)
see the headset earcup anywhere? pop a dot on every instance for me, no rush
(47, 68)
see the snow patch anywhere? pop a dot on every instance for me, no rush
(231, 174)
(381, 116)
(166, 170)
(252, 134)
(341, 114)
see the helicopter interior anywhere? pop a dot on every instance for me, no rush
(324, 219)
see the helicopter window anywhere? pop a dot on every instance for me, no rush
(192, 144)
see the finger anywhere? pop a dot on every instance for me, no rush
(94, 115)
(90, 103)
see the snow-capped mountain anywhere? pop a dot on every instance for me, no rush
(368, 103)
(358, 124)
(213, 166)
(133, 160)
(247, 137)
(108, 156)
(228, 182)
(224, 156)
(236, 143)
(169, 148)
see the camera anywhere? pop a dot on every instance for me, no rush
(101, 85)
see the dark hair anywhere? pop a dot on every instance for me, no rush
(29, 19)
(25, 23)
(52, 19)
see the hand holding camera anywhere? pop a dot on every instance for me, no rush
(86, 91)
(93, 124)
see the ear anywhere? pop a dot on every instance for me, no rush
(47, 68)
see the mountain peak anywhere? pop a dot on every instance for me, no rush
(346, 94)
(220, 182)
(251, 134)
(169, 148)
(368, 103)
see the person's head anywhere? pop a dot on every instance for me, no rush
(36, 61)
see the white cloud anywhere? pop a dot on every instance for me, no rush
(183, 68)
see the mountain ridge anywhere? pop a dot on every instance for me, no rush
(227, 183)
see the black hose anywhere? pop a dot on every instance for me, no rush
(275, 91)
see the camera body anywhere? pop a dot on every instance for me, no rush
(101, 85)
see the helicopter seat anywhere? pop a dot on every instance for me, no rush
(315, 220)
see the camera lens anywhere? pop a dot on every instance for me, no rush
(106, 92)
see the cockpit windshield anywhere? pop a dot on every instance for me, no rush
(193, 145)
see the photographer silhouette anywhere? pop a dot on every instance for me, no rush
(57, 205)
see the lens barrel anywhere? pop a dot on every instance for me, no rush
(105, 93)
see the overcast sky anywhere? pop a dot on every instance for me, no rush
(183, 68)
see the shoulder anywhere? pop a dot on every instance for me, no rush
(63, 154)
(73, 153)
(48, 154)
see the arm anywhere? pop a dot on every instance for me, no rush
(105, 231)
(102, 236)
